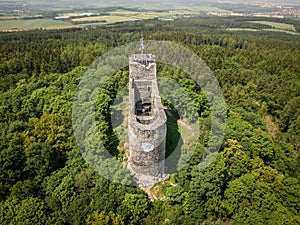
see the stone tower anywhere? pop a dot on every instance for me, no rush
(146, 121)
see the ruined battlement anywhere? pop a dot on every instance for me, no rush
(142, 58)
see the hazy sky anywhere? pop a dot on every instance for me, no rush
(115, 2)
(147, 1)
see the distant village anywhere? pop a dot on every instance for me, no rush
(261, 9)
(76, 18)
(272, 10)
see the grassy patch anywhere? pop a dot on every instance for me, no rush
(10, 17)
(7, 16)
(274, 25)
(33, 24)
(242, 29)
(123, 16)
(208, 9)
(108, 19)
(281, 27)
(123, 12)
(15, 22)
(284, 31)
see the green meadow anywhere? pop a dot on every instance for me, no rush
(33, 24)
(275, 25)
(124, 16)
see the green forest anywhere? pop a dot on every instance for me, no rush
(253, 179)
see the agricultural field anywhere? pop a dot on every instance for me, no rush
(257, 30)
(285, 31)
(274, 27)
(242, 29)
(33, 24)
(20, 17)
(124, 12)
(10, 22)
(9, 17)
(108, 19)
(16, 23)
(123, 15)
(205, 9)
(280, 26)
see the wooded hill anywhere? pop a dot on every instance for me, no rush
(254, 179)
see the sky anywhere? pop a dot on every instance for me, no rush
(147, 1)
(89, 3)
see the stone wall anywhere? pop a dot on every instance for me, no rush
(146, 134)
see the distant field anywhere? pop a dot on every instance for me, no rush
(184, 12)
(280, 26)
(256, 30)
(122, 16)
(193, 8)
(285, 31)
(123, 12)
(165, 6)
(242, 29)
(108, 19)
(33, 24)
(9, 17)
(15, 17)
(12, 23)
(152, 15)
(208, 9)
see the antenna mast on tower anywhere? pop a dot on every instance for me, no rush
(142, 45)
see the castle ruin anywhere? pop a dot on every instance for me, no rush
(147, 120)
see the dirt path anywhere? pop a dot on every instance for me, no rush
(272, 128)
